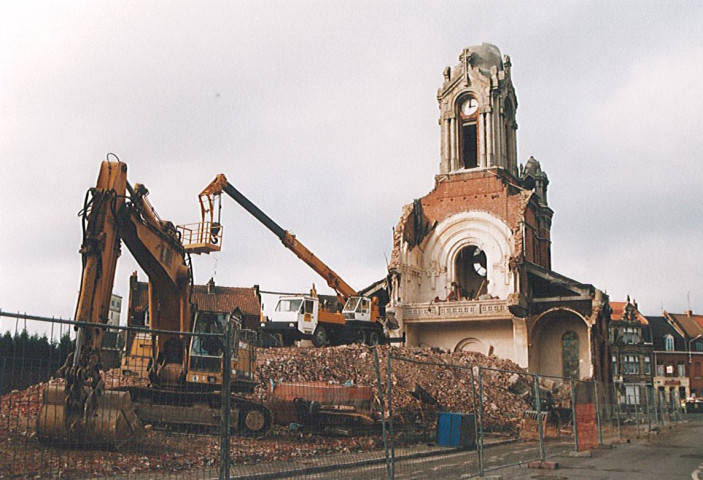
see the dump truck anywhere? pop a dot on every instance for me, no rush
(185, 375)
(299, 317)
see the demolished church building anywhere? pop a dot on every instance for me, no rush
(471, 265)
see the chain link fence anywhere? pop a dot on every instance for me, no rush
(271, 425)
(338, 412)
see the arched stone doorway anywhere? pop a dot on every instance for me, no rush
(470, 344)
(559, 345)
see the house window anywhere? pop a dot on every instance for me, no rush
(632, 364)
(615, 365)
(632, 335)
(660, 369)
(668, 343)
(570, 355)
(632, 394)
(681, 369)
(647, 366)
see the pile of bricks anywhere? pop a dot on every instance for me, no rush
(423, 381)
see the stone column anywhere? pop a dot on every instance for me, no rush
(445, 164)
(490, 162)
(452, 144)
(520, 342)
(482, 139)
(591, 369)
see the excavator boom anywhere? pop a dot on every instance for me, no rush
(82, 411)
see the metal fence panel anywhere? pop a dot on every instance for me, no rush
(344, 412)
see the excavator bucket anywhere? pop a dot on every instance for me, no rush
(529, 425)
(112, 423)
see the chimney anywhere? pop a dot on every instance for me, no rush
(211, 286)
(688, 312)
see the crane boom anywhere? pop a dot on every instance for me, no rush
(297, 317)
(289, 240)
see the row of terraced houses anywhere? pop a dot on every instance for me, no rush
(661, 353)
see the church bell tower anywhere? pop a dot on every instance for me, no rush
(477, 113)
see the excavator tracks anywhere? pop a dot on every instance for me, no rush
(198, 410)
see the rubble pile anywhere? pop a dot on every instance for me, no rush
(162, 450)
(424, 383)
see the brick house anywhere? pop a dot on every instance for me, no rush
(691, 328)
(471, 262)
(631, 353)
(670, 378)
(208, 297)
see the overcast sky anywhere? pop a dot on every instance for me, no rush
(325, 115)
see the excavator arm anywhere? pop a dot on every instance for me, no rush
(115, 212)
(99, 252)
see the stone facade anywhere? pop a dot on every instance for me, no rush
(471, 260)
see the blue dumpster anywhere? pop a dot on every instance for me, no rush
(456, 430)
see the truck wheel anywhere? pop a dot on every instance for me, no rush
(360, 336)
(254, 421)
(372, 338)
(319, 336)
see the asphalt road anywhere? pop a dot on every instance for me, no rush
(672, 454)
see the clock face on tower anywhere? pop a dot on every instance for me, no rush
(469, 106)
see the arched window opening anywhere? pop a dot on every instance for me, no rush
(471, 270)
(468, 132)
(668, 343)
(570, 355)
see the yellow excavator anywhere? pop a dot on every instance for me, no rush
(184, 372)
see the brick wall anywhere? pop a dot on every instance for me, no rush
(494, 191)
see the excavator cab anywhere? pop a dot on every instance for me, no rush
(206, 350)
(205, 360)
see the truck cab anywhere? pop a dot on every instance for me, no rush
(359, 309)
(295, 317)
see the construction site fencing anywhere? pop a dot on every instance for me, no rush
(352, 412)
(646, 410)
(487, 418)
(38, 438)
(317, 424)
(483, 418)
